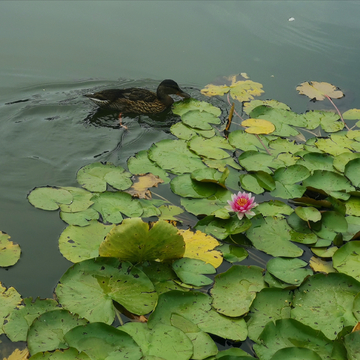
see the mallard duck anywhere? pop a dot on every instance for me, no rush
(138, 101)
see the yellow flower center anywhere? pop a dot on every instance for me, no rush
(241, 201)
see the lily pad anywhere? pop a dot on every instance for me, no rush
(291, 271)
(46, 333)
(235, 289)
(272, 235)
(269, 305)
(19, 321)
(210, 148)
(190, 271)
(111, 204)
(49, 198)
(196, 307)
(323, 296)
(347, 260)
(89, 288)
(183, 107)
(101, 341)
(133, 241)
(9, 300)
(164, 341)
(9, 252)
(141, 164)
(95, 177)
(199, 119)
(174, 156)
(81, 243)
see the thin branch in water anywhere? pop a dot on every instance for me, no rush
(228, 99)
(230, 116)
(154, 193)
(338, 111)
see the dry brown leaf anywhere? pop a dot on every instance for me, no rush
(19, 355)
(319, 90)
(141, 185)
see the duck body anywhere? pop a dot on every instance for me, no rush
(137, 100)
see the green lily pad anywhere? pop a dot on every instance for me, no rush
(81, 243)
(210, 148)
(291, 174)
(183, 107)
(184, 132)
(322, 296)
(246, 142)
(347, 260)
(328, 181)
(190, 271)
(233, 253)
(19, 321)
(9, 252)
(111, 204)
(81, 218)
(308, 213)
(101, 341)
(290, 271)
(210, 205)
(165, 341)
(95, 177)
(211, 176)
(352, 114)
(133, 241)
(249, 183)
(278, 231)
(353, 227)
(235, 289)
(174, 156)
(49, 198)
(317, 161)
(67, 354)
(341, 160)
(274, 208)
(352, 170)
(199, 119)
(81, 200)
(141, 164)
(288, 191)
(196, 307)
(265, 180)
(334, 146)
(46, 333)
(353, 206)
(255, 161)
(351, 342)
(269, 305)
(249, 106)
(281, 145)
(89, 288)
(185, 186)
(222, 228)
(168, 212)
(290, 333)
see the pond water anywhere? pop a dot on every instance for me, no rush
(54, 52)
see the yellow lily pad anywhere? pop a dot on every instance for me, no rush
(319, 90)
(258, 126)
(200, 246)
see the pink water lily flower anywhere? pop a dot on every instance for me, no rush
(242, 203)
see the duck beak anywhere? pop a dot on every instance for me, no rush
(183, 94)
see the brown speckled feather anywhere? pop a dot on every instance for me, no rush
(138, 101)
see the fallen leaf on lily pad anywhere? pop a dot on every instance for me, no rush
(141, 185)
(258, 126)
(200, 246)
(319, 90)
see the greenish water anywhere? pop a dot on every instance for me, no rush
(53, 52)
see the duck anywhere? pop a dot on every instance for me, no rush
(138, 100)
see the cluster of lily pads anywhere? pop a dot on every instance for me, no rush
(162, 277)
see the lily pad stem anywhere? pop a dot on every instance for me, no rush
(341, 117)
